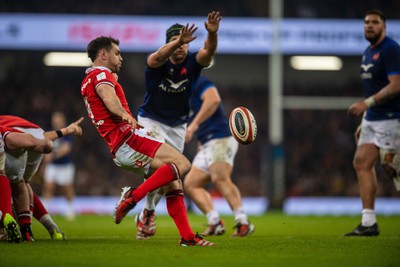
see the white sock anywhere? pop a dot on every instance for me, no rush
(240, 216)
(70, 211)
(48, 223)
(150, 197)
(213, 217)
(368, 217)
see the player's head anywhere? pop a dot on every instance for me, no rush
(172, 34)
(377, 13)
(104, 51)
(58, 120)
(374, 26)
(102, 42)
(174, 30)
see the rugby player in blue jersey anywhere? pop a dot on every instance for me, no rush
(214, 159)
(379, 133)
(170, 75)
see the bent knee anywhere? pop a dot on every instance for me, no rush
(363, 163)
(188, 183)
(184, 166)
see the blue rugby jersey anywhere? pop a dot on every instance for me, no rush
(377, 64)
(168, 90)
(57, 144)
(215, 126)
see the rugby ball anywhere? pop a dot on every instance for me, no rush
(243, 126)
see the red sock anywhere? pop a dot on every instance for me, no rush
(39, 210)
(177, 210)
(163, 175)
(5, 196)
(24, 217)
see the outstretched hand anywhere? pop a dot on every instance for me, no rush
(187, 32)
(75, 128)
(212, 23)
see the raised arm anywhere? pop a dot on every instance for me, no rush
(159, 57)
(206, 54)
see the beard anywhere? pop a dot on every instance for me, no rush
(373, 38)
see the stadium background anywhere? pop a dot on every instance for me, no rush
(318, 144)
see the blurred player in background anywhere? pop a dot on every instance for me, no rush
(170, 75)
(130, 146)
(214, 159)
(59, 168)
(22, 163)
(378, 136)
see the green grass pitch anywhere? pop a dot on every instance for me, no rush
(279, 240)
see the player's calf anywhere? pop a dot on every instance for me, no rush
(390, 161)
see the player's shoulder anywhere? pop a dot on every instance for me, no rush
(390, 44)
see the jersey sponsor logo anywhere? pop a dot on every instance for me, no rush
(366, 75)
(366, 67)
(101, 76)
(173, 87)
(176, 85)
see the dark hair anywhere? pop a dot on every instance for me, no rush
(102, 42)
(377, 12)
(172, 31)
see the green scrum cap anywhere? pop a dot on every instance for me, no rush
(172, 31)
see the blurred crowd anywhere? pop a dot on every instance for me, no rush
(318, 145)
(231, 8)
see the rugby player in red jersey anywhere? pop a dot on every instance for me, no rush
(130, 145)
(24, 152)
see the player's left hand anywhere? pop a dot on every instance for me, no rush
(212, 23)
(357, 108)
(187, 34)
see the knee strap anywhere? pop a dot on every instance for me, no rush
(175, 193)
(175, 169)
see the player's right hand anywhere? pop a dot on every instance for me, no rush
(187, 32)
(74, 127)
(357, 108)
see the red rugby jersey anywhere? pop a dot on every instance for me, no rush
(109, 126)
(15, 121)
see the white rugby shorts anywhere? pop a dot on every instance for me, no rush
(174, 136)
(60, 174)
(137, 152)
(214, 151)
(384, 134)
(22, 164)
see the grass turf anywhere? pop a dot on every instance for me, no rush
(279, 240)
